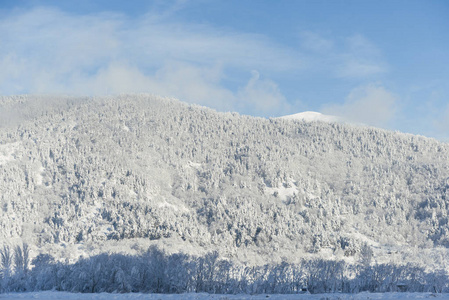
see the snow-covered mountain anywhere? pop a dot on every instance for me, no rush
(310, 116)
(82, 176)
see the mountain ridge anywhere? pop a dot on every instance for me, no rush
(85, 174)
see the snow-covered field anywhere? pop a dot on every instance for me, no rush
(203, 296)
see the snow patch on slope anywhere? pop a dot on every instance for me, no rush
(38, 174)
(175, 207)
(311, 116)
(283, 192)
(194, 165)
(7, 152)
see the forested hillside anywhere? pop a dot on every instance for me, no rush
(83, 176)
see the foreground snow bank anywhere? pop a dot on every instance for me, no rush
(203, 296)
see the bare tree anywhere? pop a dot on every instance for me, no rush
(6, 261)
(21, 259)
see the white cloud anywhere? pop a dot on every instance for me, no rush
(85, 41)
(354, 57)
(361, 58)
(262, 96)
(370, 105)
(48, 51)
(45, 50)
(357, 68)
(200, 85)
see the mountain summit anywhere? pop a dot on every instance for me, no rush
(310, 116)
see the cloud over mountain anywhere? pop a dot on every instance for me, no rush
(370, 105)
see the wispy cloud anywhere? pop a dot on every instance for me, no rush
(370, 105)
(357, 68)
(316, 42)
(353, 57)
(48, 51)
(361, 58)
(442, 124)
(263, 97)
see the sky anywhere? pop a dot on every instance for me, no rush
(380, 63)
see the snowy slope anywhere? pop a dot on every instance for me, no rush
(310, 116)
(86, 176)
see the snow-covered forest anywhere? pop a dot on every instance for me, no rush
(156, 272)
(90, 183)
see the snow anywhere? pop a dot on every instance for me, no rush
(52, 295)
(176, 163)
(285, 191)
(7, 152)
(194, 165)
(39, 174)
(164, 203)
(310, 116)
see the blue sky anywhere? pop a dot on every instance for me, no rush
(382, 63)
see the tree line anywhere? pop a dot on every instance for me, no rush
(155, 271)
